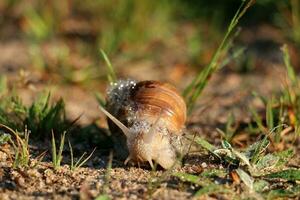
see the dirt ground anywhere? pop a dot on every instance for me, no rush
(227, 92)
(62, 65)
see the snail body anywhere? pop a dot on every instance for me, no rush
(146, 120)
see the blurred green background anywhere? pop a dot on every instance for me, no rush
(62, 39)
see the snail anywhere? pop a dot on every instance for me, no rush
(146, 120)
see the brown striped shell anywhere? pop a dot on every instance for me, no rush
(154, 113)
(160, 100)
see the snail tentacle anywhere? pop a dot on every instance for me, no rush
(125, 130)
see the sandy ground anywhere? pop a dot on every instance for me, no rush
(227, 92)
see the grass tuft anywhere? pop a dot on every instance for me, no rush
(254, 167)
(195, 88)
(81, 161)
(20, 146)
(40, 118)
(57, 155)
(281, 110)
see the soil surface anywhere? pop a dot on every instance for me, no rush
(76, 77)
(228, 92)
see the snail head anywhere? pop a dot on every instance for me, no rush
(146, 145)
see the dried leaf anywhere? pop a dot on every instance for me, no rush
(246, 178)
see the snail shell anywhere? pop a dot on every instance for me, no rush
(146, 120)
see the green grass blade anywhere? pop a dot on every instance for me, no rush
(260, 97)
(61, 147)
(289, 175)
(230, 129)
(4, 138)
(258, 121)
(100, 99)
(71, 155)
(194, 90)
(80, 159)
(206, 145)
(284, 157)
(3, 84)
(237, 53)
(54, 159)
(288, 193)
(102, 197)
(187, 177)
(287, 62)
(260, 148)
(211, 189)
(17, 160)
(86, 159)
(269, 114)
(111, 75)
(107, 173)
